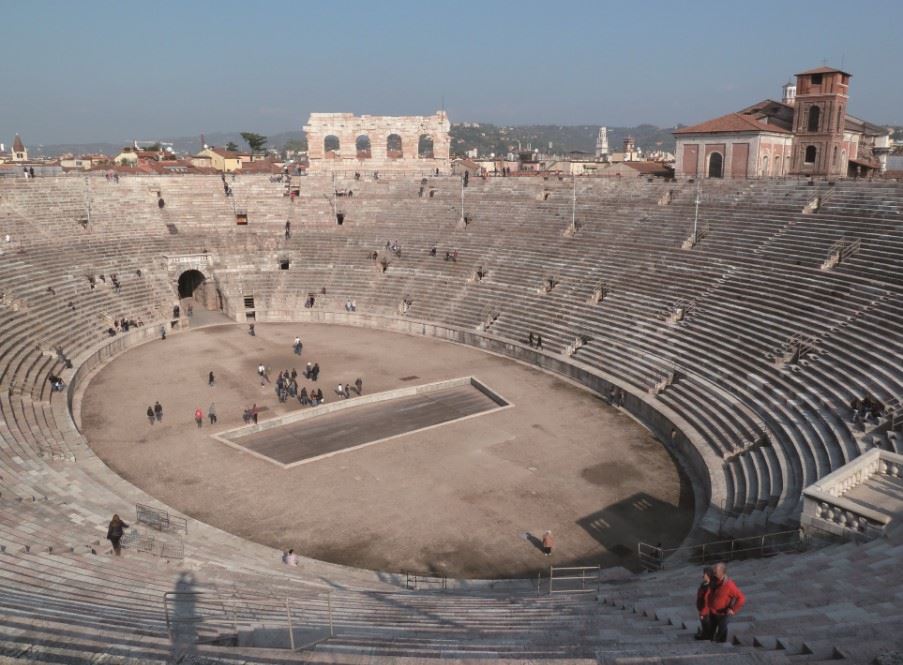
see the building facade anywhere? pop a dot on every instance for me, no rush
(807, 133)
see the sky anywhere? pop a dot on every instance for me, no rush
(78, 71)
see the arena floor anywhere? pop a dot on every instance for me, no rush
(468, 498)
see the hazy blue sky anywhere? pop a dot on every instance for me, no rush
(78, 71)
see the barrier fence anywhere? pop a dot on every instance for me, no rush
(653, 557)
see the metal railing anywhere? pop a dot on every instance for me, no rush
(415, 582)
(198, 617)
(653, 557)
(574, 579)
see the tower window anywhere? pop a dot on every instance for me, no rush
(810, 154)
(816, 79)
(814, 117)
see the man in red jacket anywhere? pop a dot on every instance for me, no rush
(723, 600)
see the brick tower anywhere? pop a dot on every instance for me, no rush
(819, 114)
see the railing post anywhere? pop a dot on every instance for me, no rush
(291, 630)
(329, 611)
(762, 552)
(551, 577)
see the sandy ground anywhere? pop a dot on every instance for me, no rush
(466, 499)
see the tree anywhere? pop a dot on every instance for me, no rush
(257, 142)
(231, 147)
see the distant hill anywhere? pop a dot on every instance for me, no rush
(487, 138)
(554, 138)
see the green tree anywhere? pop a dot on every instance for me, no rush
(257, 142)
(231, 147)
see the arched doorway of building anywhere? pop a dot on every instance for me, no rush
(716, 165)
(196, 290)
(189, 282)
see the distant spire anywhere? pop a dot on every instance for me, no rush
(18, 146)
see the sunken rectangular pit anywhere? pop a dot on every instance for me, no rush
(349, 424)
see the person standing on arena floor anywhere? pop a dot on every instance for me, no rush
(150, 414)
(723, 600)
(315, 372)
(211, 413)
(158, 411)
(115, 533)
(548, 542)
(210, 379)
(199, 417)
(297, 346)
(359, 386)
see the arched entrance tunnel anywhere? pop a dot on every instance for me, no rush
(194, 284)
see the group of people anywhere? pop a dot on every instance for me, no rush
(56, 383)
(865, 408)
(394, 247)
(199, 415)
(535, 341)
(123, 325)
(350, 306)
(155, 413)
(344, 390)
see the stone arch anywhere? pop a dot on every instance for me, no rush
(425, 147)
(394, 146)
(189, 282)
(194, 285)
(765, 165)
(716, 165)
(331, 146)
(362, 147)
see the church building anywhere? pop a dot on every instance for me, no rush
(807, 133)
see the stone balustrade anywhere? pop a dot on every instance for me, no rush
(825, 507)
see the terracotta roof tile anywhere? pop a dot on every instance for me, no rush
(732, 122)
(823, 70)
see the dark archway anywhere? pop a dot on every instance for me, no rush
(189, 282)
(425, 147)
(716, 165)
(811, 153)
(331, 146)
(394, 148)
(362, 147)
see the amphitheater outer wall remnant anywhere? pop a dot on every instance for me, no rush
(347, 128)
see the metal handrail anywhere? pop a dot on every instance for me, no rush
(653, 556)
(596, 578)
(236, 599)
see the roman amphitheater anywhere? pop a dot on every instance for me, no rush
(690, 402)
